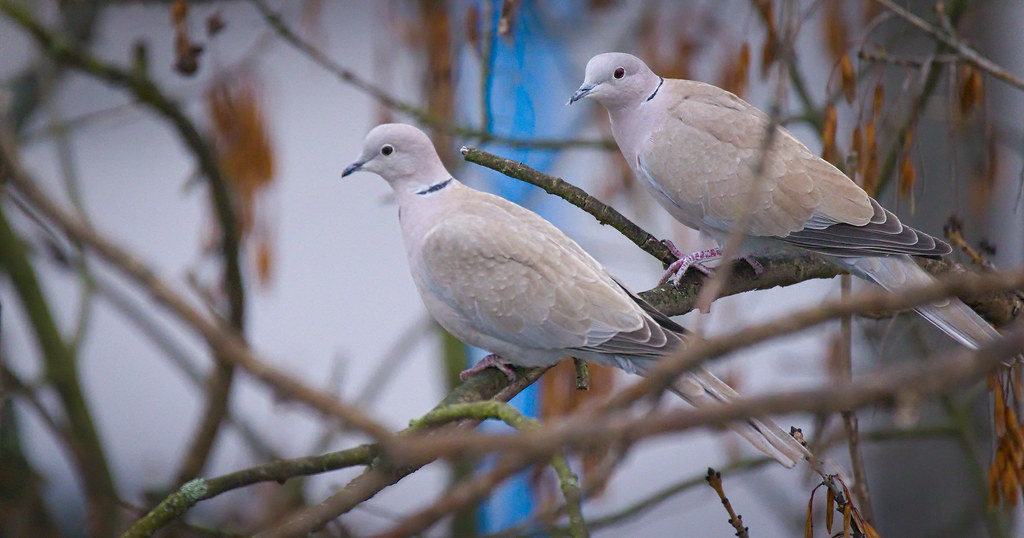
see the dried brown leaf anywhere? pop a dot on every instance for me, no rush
(848, 78)
(869, 160)
(847, 520)
(993, 482)
(264, 262)
(242, 141)
(972, 91)
(830, 509)
(829, 152)
(877, 101)
(1013, 428)
(907, 176)
(179, 12)
(999, 410)
(809, 522)
(770, 49)
(734, 73)
(835, 28)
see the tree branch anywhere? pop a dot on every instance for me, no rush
(150, 95)
(483, 386)
(222, 340)
(576, 196)
(382, 473)
(61, 370)
(949, 39)
(997, 306)
(870, 389)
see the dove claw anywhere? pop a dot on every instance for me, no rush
(695, 260)
(489, 361)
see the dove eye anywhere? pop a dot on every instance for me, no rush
(619, 72)
(387, 149)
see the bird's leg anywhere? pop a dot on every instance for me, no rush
(754, 264)
(487, 362)
(678, 268)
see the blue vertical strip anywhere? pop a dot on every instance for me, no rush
(527, 92)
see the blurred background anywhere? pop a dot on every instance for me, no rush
(283, 93)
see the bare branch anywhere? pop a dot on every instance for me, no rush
(949, 39)
(483, 386)
(225, 344)
(999, 307)
(383, 474)
(894, 384)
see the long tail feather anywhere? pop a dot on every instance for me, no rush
(952, 316)
(701, 388)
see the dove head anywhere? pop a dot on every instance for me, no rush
(401, 154)
(617, 80)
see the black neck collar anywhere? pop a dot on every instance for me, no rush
(656, 89)
(435, 187)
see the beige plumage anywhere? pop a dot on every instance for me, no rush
(697, 149)
(499, 277)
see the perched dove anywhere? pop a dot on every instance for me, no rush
(500, 277)
(696, 149)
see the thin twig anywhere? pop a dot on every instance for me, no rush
(382, 474)
(900, 384)
(950, 39)
(932, 73)
(568, 481)
(576, 196)
(582, 374)
(150, 95)
(714, 479)
(997, 307)
(59, 364)
(486, 385)
(896, 383)
(224, 342)
(849, 416)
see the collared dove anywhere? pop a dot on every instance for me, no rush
(696, 149)
(500, 277)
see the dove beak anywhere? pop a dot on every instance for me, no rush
(584, 90)
(352, 168)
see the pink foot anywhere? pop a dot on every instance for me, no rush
(754, 264)
(678, 268)
(488, 362)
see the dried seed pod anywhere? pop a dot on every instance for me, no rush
(877, 100)
(972, 91)
(999, 410)
(829, 152)
(835, 28)
(809, 521)
(907, 176)
(869, 160)
(830, 509)
(179, 12)
(849, 79)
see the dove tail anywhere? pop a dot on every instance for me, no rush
(951, 315)
(701, 388)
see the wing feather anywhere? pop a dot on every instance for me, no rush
(515, 277)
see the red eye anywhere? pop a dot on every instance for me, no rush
(619, 72)
(386, 149)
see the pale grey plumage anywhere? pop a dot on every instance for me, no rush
(696, 149)
(499, 277)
